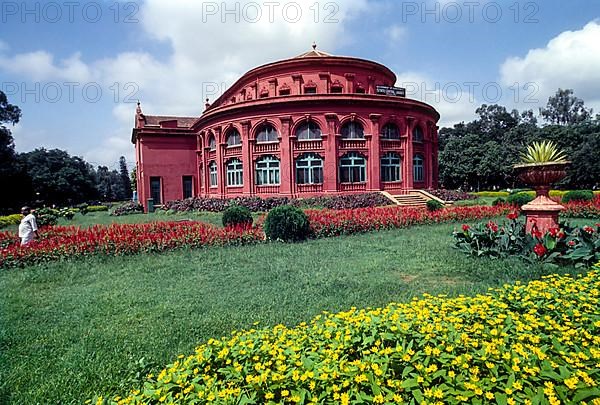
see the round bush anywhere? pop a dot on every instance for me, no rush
(434, 205)
(287, 223)
(519, 199)
(498, 201)
(237, 215)
(578, 195)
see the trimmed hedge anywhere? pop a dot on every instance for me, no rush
(8, 220)
(578, 195)
(520, 199)
(97, 208)
(434, 205)
(523, 343)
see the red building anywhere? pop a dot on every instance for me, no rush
(314, 124)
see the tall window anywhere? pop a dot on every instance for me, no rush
(212, 143)
(353, 168)
(417, 134)
(390, 167)
(155, 190)
(353, 130)
(390, 131)
(234, 138)
(235, 173)
(267, 171)
(266, 133)
(418, 169)
(214, 179)
(188, 186)
(309, 169)
(308, 130)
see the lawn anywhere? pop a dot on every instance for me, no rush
(73, 329)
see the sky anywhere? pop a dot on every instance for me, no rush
(77, 69)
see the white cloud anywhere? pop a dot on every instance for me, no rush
(396, 33)
(570, 60)
(454, 103)
(40, 66)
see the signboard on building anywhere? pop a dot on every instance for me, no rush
(391, 91)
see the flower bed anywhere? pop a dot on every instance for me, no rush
(346, 222)
(582, 209)
(120, 239)
(257, 204)
(564, 245)
(533, 343)
(452, 195)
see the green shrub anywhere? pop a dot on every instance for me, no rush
(578, 195)
(67, 213)
(498, 201)
(8, 220)
(520, 199)
(287, 223)
(237, 215)
(434, 205)
(46, 216)
(97, 208)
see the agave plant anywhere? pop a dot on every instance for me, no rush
(543, 152)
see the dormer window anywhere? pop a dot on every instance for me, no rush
(360, 90)
(336, 87)
(264, 93)
(284, 92)
(310, 87)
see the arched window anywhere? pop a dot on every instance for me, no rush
(235, 173)
(234, 138)
(391, 167)
(266, 133)
(267, 171)
(309, 169)
(417, 134)
(353, 168)
(212, 143)
(353, 130)
(390, 131)
(308, 130)
(418, 169)
(214, 179)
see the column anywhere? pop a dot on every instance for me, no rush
(221, 174)
(374, 163)
(285, 160)
(435, 146)
(247, 158)
(330, 169)
(408, 153)
(429, 155)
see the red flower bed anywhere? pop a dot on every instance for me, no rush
(65, 242)
(345, 222)
(582, 209)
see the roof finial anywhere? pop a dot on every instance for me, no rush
(138, 110)
(207, 104)
(314, 45)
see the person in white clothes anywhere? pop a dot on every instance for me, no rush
(28, 228)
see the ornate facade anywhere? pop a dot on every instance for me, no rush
(300, 127)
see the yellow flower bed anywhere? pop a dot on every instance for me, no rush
(536, 343)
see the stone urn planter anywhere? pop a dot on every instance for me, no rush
(542, 212)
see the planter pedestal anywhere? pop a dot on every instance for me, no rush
(542, 213)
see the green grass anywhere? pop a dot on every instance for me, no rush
(73, 329)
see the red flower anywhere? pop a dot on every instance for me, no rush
(492, 226)
(535, 232)
(466, 228)
(561, 235)
(540, 250)
(588, 229)
(512, 216)
(571, 243)
(553, 232)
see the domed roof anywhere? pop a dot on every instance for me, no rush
(314, 53)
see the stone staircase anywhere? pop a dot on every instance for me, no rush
(413, 198)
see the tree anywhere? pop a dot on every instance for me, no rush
(14, 182)
(565, 109)
(59, 178)
(125, 180)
